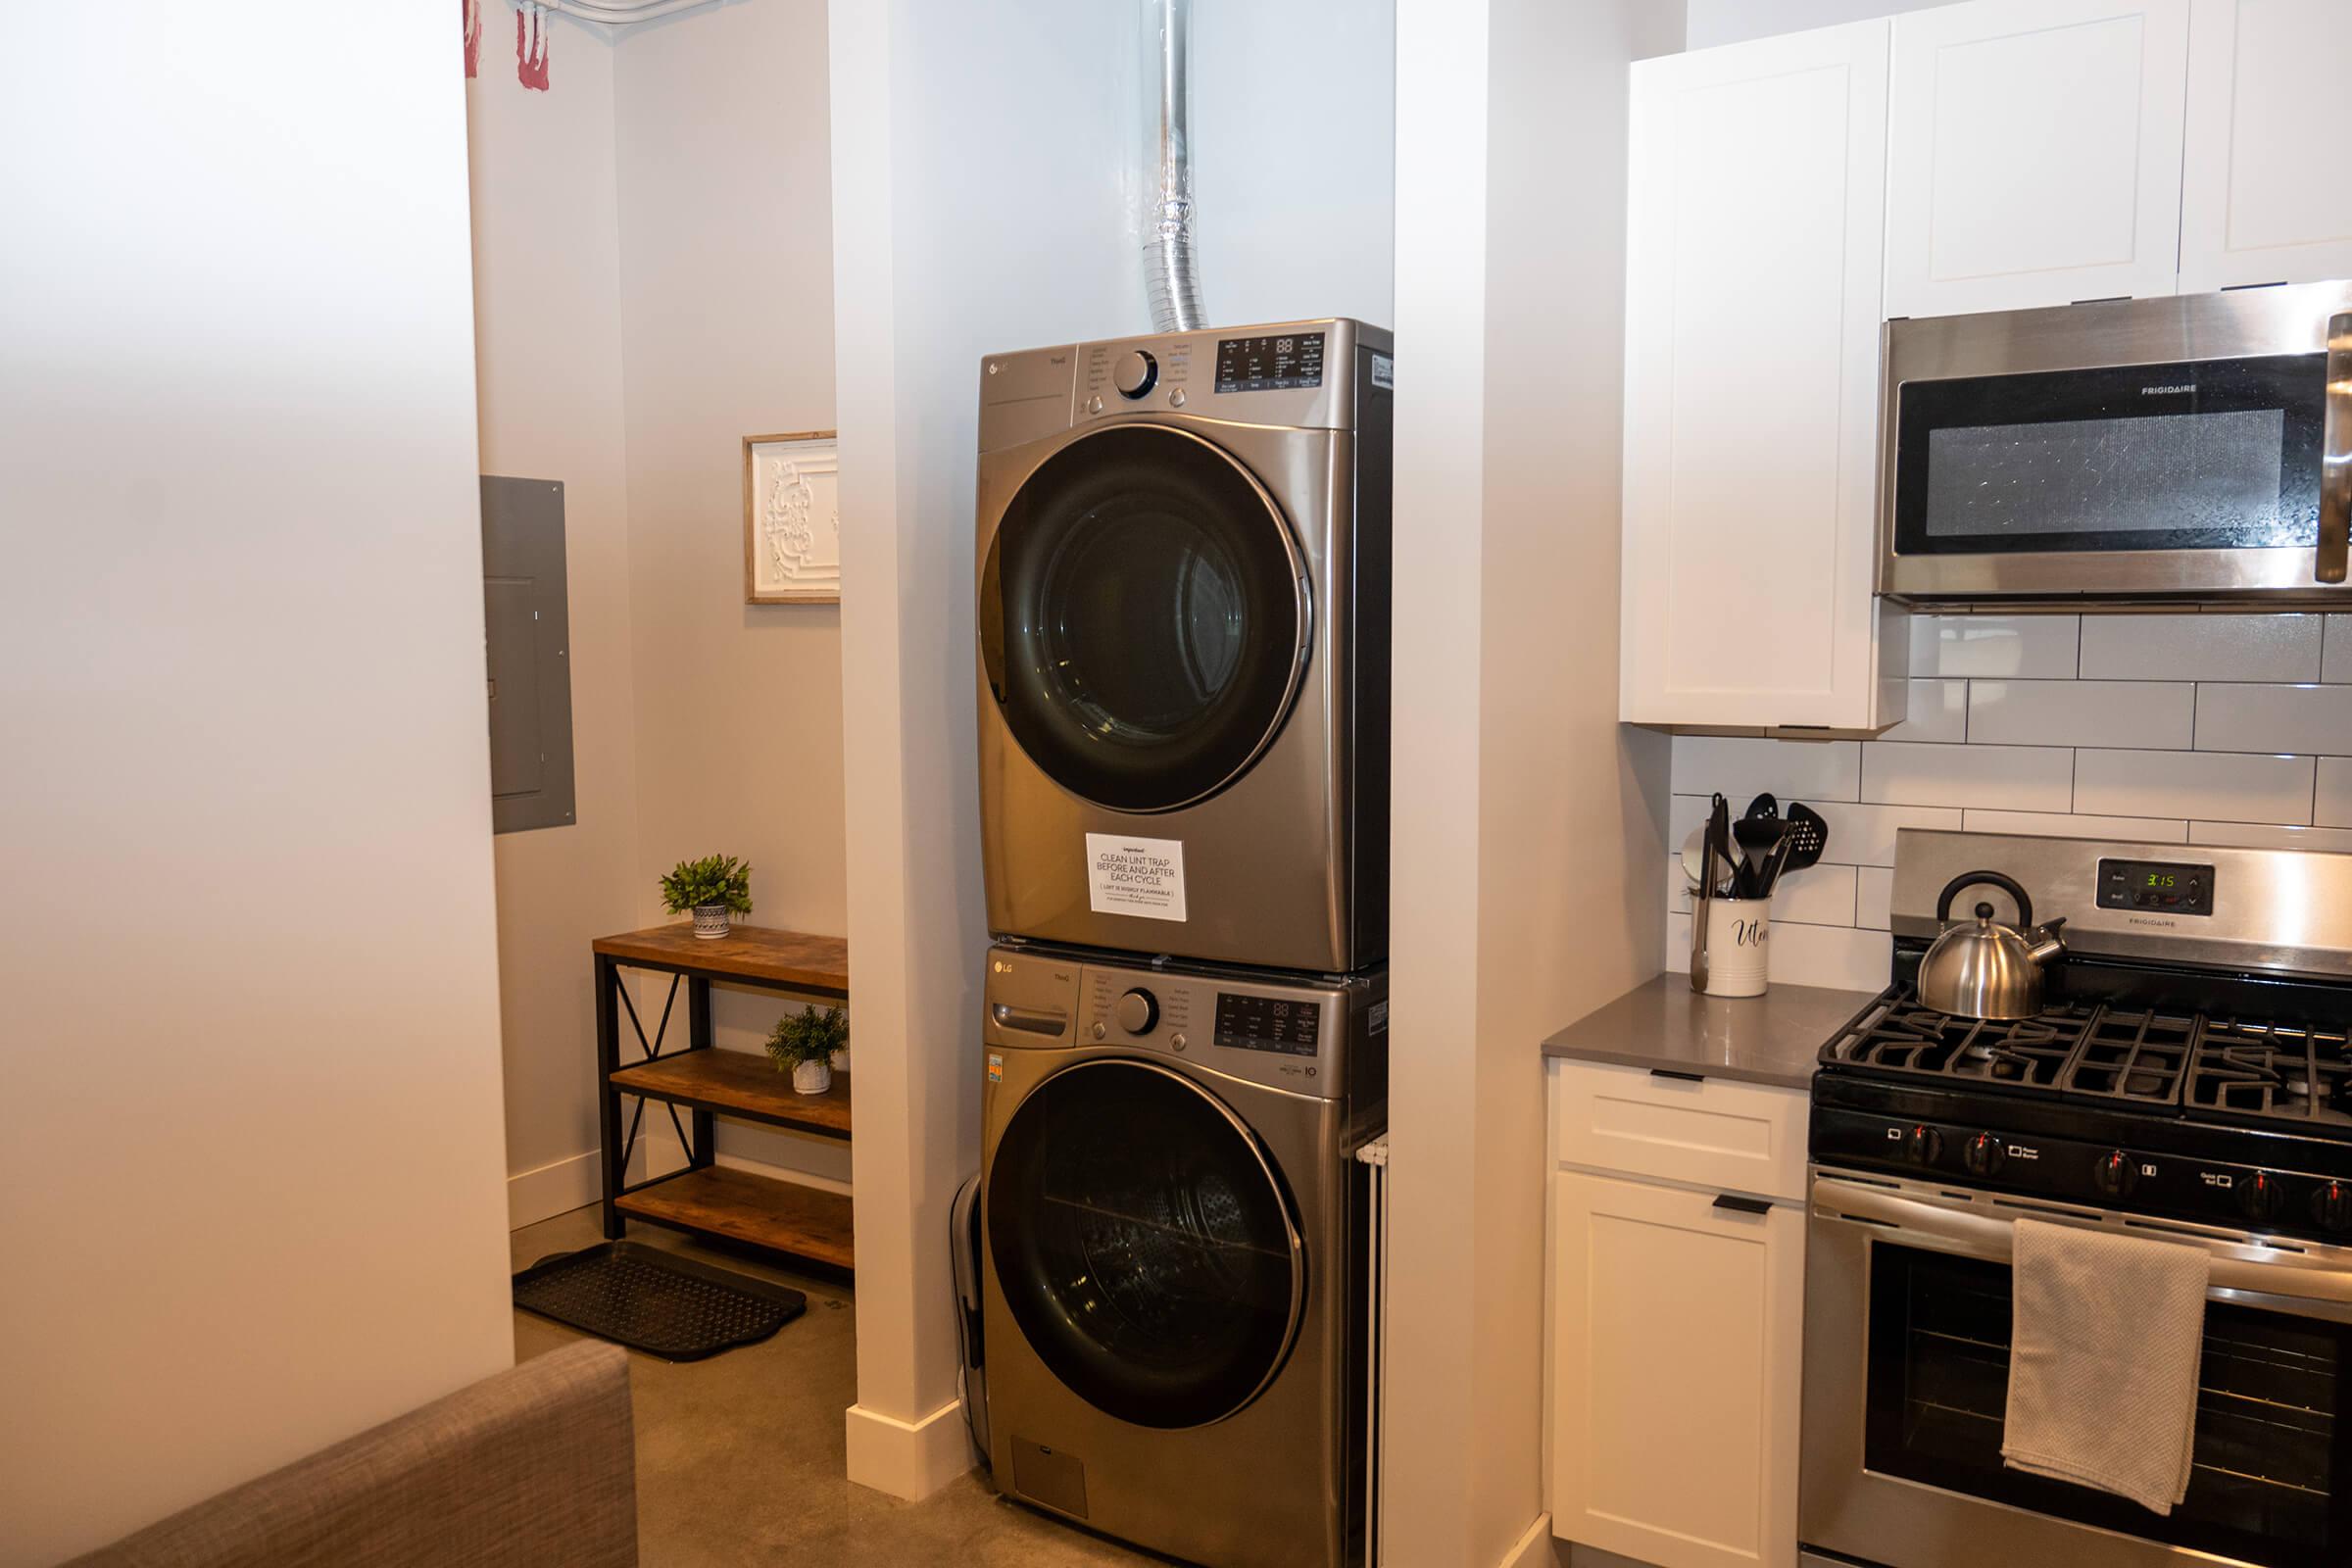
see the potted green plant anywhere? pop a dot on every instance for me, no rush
(803, 1045)
(714, 886)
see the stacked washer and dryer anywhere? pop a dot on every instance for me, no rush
(1184, 606)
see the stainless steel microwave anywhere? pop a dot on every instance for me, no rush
(2189, 449)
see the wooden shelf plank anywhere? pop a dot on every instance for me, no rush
(756, 954)
(740, 1084)
(784, 1216)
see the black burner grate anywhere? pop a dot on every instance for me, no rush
(2267, 1071)
(1903, 1039)
(2137, 1057)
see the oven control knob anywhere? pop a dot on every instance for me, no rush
(2113, 1173)
(2331, 1206)
(1134, 374)
(2259, 1196)
(1983, 1154)
(1923, 1146)
(1138, 1010)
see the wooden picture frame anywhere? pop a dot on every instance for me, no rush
(791, 519)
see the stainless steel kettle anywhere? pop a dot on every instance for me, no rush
(1981, 968)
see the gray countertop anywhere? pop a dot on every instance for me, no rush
(1771, 1038)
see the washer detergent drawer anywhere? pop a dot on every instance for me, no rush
(1712, 1132)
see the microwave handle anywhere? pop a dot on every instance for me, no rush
(2335, 463)
(2298, 1276)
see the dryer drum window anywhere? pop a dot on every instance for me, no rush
(1142, 616)
(1144, 1245)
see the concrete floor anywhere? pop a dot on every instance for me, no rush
(740, 1458)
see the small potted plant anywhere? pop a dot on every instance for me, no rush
(804, 1044)
(714, 886)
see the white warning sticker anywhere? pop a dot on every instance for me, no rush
(1142, 877)
(1383, 372)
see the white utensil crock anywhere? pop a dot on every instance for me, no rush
(1738, 947)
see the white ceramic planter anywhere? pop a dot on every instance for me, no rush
(710, 920)
(811, 1077)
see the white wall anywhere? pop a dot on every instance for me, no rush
(2199, 729)
(1714, 22)
(982, 165)
(726, 317)
(547, 313)
(251, 1187)
(1521, 901)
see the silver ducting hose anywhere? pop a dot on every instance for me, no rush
(1168, 267)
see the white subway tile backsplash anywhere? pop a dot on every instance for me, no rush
(2334, 802)
(2274, 718)
(2083, 712)
(1863, 835)
(1821, 895)
(1741, 766)
(2067, 825)
(1841, 957)
(1873, 897)
(2229, 645)
(2019, 778)
(2260, 836)
(1938, 710)
(2219, 786)
(2335, 657)
(2028, 647)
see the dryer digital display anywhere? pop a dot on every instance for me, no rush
(1269, 364)
(1289, 1025)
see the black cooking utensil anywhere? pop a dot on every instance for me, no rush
(1717, 843)
(1800, 846)
(1758, 837)
(1763, 808)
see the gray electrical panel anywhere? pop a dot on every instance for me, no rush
(529, 635)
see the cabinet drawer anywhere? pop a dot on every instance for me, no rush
(1717, 1131)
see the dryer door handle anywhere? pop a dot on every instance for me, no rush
(991, 622)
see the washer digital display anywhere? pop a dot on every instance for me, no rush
(1282, 1024)
(1269, 364)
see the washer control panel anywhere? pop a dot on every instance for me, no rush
(1287, 1035)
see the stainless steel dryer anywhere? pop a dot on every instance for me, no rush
(1184, 596)
(1174, 1280)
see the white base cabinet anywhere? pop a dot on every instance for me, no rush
(1677, 1334)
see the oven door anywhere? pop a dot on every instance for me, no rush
(2187, 448)
(1907, 1324)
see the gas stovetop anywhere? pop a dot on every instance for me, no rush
(2194, 1064)
(2259, 1070)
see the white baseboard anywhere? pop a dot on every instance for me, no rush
(908, 1459)
(1533, 1550)
(553, 1189)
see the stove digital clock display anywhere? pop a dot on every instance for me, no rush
(2156, 887)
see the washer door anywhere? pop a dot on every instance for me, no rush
(1145, 1245)
(1143, 617)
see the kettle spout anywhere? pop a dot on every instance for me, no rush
(2048, 942)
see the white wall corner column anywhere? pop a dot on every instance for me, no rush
(1523, 880)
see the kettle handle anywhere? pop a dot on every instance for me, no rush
(1969, 879)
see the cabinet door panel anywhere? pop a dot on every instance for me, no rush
(2035, 154)
(1757, 179)
(1678, 1336)
(2263, 200)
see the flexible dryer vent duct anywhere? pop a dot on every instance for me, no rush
(1168, 181)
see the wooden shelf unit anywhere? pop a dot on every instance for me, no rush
(707, 1198)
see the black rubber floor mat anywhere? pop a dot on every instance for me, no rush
(656, 1302)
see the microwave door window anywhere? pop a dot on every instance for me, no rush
(2212, 456)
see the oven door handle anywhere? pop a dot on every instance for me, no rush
(2336, 462)
(2239, 1270)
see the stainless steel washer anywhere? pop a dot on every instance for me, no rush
(1174, 1279)
(1184, 600)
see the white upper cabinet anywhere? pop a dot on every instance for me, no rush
(2035, 153)
(1756, 212)
(2263, 199)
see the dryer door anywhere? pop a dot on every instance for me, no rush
(1143, 617)
(1144, 1244)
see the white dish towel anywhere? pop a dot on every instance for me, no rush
(2103, 1360)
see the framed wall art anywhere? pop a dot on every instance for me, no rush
(791, 519)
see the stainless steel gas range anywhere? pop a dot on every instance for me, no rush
(2187, 1079)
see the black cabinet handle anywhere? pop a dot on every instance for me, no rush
(1742, 1205)
(1682, 1077)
